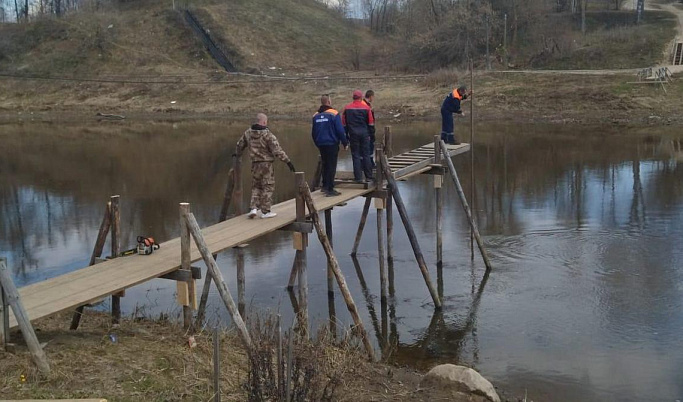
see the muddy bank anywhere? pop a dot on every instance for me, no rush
(522, 98)
(151, 360)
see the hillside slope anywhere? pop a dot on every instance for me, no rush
(149, 38)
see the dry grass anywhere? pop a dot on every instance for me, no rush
(151, 361)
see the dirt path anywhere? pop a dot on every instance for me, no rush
(675, 9)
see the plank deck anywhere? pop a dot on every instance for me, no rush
(93, 283)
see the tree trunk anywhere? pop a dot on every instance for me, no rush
(583, 16)
(436, 14)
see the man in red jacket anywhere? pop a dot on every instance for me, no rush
(369, 98)
(359, 125)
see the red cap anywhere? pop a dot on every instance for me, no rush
(357, 94)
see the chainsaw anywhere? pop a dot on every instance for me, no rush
(146, 246)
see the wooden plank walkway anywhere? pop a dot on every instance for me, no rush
(93, 283)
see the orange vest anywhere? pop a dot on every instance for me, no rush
(456, 95)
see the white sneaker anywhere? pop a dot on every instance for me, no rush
(252, 213)
(268, 215)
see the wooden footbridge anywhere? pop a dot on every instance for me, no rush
(111, 277)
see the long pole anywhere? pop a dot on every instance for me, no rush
(465, 205)
(472, 153)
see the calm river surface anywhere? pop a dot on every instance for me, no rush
(584, 228)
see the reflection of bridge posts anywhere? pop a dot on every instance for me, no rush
(300, 244)
(380, 201)
(330, 276)
(368, 299)
(438, 196)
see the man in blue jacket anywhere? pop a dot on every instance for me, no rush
(328, 132)
(450, 105)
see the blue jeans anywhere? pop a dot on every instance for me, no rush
(360, 147)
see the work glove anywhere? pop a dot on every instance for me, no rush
(290, 165)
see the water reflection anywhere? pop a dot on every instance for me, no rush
(584, 230)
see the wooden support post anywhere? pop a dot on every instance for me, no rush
(330, 276)
(305, 192)
(223, 290)
(379, 205)
(96, 253)
(390, 242)
(301, 243)
(115, 251)
(241, 281)
(388, 142)
(186, 290)
(403, 213)
(361, 225)
(466, 207)
(216, 365)
(12, 296)
(4, 318)
(328, 232)
(438, 195)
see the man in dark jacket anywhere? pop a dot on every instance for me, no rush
(263, 149)
(449, 106)
(368, 99)
(327, 132)
(360, 127)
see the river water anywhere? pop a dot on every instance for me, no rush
(583, 225)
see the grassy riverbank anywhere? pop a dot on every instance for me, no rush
(145, 360)
(507, 97)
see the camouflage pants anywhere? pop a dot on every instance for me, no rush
(262, 186)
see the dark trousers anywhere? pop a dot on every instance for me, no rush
(360, 147)
(328, 156)
(447, 127)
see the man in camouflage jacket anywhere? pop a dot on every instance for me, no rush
(263, 149)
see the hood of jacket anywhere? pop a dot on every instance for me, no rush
(257, 130)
